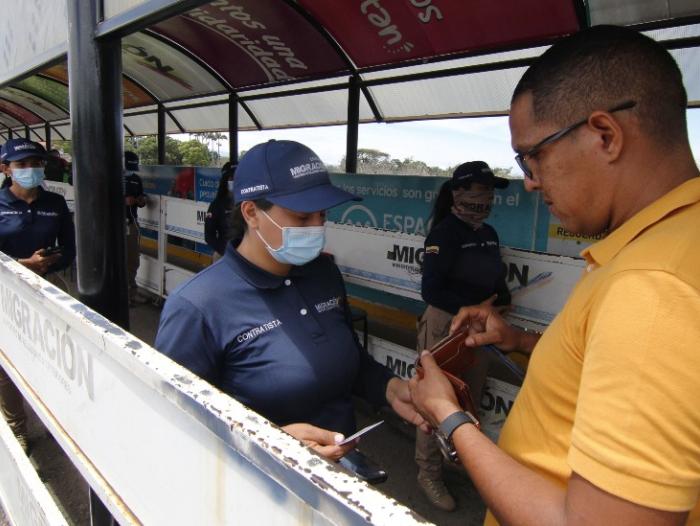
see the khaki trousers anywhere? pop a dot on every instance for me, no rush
(433, 326)
(12, 405)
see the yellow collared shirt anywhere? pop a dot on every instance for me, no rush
(613, 387)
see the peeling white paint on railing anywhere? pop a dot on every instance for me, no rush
(158, 444)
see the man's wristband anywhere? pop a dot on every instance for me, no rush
(447, 427)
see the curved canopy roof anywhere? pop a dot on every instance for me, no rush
(288, 63)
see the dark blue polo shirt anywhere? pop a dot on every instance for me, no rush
(133, 187)
(283, 346)
(462, 266)
(27, 227)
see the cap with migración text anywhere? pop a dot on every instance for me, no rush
(287, 174)
(18, 149)
(476, 172)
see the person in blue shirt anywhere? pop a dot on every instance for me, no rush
(461, 266)
(269, 323)
(31, 220)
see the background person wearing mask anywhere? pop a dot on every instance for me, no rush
(461, 266)
(31, 220)
(269, 323)
(134, 199)
(218, 227)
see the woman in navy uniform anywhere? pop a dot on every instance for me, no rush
(31, 220)
(269, 323)
(462, 266)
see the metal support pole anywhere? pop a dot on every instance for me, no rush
(233, 128)
(95, 90)
(161, 134)
(353, 125)
(94, 69)
(47, 136)
(27, 133)
(10, 135)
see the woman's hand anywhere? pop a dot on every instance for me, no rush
(38, 263)
(323, 441)
(399, 398)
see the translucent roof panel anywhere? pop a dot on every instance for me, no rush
(61, 130)
(638, 11)
(8, 121)
(41, 107)
(115, 7)
(163, 70)
(689, 61)
(141, 124)
(211, 118)
(55, 92)
(147, 124)
(473, 94)
(377, 33)
(254, 41)
(18, 113)
(328, 107)
(674, 33)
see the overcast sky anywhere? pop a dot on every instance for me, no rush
(440, 143)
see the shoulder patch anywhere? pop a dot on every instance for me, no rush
(432, 249)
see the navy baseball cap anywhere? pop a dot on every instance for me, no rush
(131, 160)
(18, 149)
(287, 174)
(476, 172)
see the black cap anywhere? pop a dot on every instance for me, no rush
(476, 172)
(131, 160)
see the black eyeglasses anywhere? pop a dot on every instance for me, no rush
(520, 158)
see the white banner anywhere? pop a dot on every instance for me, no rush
(539, 283)
(379, 259)
(184, 218)
(63, 189)
(390, 261)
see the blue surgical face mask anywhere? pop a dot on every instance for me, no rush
(300, 244)
(28, 177)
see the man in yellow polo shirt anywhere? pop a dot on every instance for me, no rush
(606, 428)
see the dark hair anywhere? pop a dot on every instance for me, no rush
(222, 191)
(602, 66)
(238, 224)
(442, 205)
(228, 169)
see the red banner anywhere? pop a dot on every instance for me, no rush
(376, 32)
(252, 42)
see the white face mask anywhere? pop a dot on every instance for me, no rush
(28, 177)
(300, 244)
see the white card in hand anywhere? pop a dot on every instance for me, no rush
(361, 432)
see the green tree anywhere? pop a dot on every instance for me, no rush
(147, 149)
(194, 153)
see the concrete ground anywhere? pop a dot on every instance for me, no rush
(391, 445)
